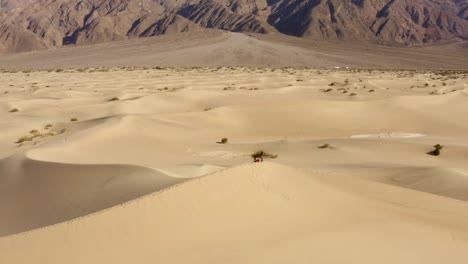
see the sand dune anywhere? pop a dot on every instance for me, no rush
(264, 213)
(96, 166)
(35, 193)
(449, 182)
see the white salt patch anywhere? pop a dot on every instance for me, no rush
(390, 135)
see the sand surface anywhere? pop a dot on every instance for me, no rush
(123, 165)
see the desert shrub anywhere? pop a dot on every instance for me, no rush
(223, 141)
(263, 154)
(24, 139)
(371, 90)
(352, 94)
(48, 126)
(325, 146)
(34, 131)
(437, 149)
(113, 99)
(73, 119)
(14, 110)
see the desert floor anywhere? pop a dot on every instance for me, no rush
(124, 165)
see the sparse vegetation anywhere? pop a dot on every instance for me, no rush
(36, 134)
(24, 139)
(223, 141)
(14, 110)
(325, 146)
(113, 99)
(437, 150)
(73, 119)
(263, 154)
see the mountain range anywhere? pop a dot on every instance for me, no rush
(41, 24)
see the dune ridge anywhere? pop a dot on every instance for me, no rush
(35, 194)
(128, 165)
(272, 196)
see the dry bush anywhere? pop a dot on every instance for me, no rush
(263, 154)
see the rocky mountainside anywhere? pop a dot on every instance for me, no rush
(39, 24)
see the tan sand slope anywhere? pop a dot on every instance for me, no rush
(94, 139)
(449, 182)
(34, 194)
(264, 213)
(218, 48)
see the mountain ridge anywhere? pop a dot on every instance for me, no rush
(41, 24)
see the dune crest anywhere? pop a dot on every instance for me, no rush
(34, 194)
(154, 165)
(240, 215)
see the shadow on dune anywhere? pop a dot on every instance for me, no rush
(35, 194)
